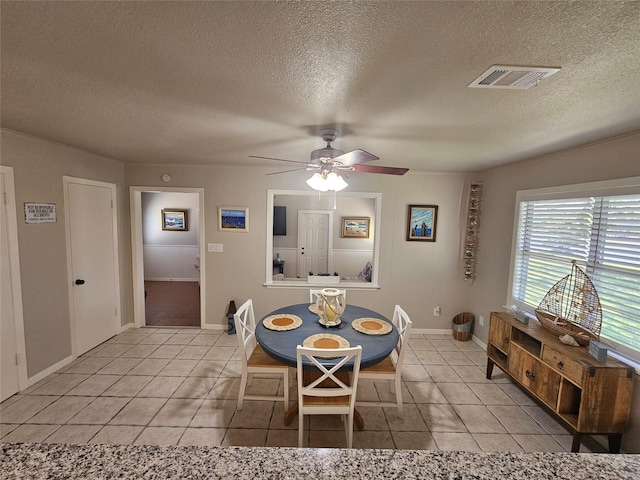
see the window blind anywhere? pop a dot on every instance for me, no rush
(602, 234)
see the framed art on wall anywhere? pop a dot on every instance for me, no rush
(422, 222)
(233, 219)
(355, 227)
(175, 219)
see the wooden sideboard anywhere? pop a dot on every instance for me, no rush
(589, 396)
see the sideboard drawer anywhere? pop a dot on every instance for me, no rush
(535, 376)
(569, 368)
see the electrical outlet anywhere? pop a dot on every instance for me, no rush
(437, 311)
(481, 320)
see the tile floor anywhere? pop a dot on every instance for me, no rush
(168, 386)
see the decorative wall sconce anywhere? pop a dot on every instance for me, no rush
(472, 231)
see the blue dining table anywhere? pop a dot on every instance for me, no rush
(281, 345)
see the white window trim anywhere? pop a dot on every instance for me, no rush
(622, 186)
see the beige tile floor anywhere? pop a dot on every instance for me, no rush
(169, 386)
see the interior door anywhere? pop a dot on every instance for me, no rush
(10, 320)
(93, 254)
(314, 241)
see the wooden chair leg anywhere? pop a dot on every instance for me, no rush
(243, 386)
(300, 430)
(286, 390)
(399, 396)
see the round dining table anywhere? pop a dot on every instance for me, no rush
(281, 345)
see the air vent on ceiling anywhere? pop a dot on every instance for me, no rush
(512, 77)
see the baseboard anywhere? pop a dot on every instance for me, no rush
(431, 331)
(126, 327)
(49, 370)
(209, 326)
(477, 341)
(169, 279)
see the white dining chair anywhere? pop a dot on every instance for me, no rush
(254, 359)
(327, 394)
(389, 369)
(314, 292)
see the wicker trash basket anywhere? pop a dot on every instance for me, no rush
(461, 325)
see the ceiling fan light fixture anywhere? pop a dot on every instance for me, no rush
(325, 182)
(317, 182)
(336, 182)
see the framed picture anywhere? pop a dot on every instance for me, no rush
(233, 219)
(175, 219)
(355, 227)
(421, 223)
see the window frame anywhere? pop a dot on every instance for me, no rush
(623, 186)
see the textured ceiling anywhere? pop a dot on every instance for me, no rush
(214, 82)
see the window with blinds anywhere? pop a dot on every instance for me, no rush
(602, 234)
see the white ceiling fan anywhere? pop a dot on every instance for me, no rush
(328, 161)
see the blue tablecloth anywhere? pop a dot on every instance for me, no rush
(281, 345)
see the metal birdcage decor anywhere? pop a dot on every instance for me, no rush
(572, 307)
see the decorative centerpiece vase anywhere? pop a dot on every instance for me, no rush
(330, 305)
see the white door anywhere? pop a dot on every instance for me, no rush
(12, 348)
(93, 261)
(314, 229)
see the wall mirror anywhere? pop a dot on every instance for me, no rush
(305, 245)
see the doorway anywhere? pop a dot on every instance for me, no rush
(314, 242)
(12, 346)
(168, 261)
(92, 253)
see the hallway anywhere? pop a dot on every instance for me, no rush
(172, 304)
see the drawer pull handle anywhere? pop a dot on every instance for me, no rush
(530, 375)
(560, 365)
(506, 339)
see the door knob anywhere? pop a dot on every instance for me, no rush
(79, 281)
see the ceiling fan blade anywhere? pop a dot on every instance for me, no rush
(287, 171)
(354, 157)
(377, 169)
(279, 159)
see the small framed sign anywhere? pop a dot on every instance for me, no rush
(40, 212)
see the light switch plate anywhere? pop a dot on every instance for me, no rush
(214, 247)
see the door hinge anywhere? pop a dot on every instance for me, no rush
(17, 359)
(116, 313)
(111, 204)
(4, 197)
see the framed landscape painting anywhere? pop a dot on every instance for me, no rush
(355, 227)
(233, 219)
(175, 219)
(421, 223)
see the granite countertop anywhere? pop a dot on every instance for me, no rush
(40, 461)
